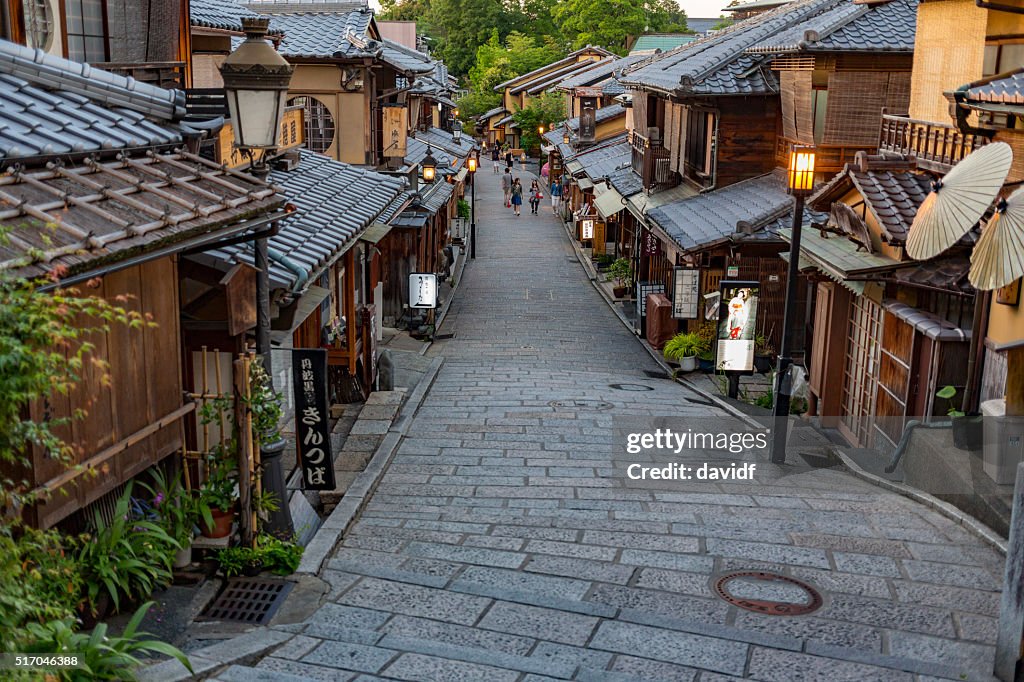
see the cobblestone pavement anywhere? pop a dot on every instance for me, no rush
(503, 544)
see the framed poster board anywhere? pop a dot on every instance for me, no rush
(685, 293)
(423, 290)
(737, 320)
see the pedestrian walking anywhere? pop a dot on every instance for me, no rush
(535, 197)
(509, 162)
(496, 157)
(556, 196)
(506, 187)
(517, 196)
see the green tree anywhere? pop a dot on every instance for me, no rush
(544, 111)
(611, 23)
(498, 61)
(461, 26)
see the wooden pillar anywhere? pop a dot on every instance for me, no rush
(348, 296)
(1015, 382)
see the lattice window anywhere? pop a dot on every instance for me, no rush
(86, 30)
(861, 370)
(319, 123)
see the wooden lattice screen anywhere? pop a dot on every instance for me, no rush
(797, 112)
(855, 103)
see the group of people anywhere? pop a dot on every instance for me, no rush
(500, 153)
(513, 189)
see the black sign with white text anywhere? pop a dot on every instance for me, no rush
(312, 432)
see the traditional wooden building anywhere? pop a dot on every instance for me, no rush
(100, 193)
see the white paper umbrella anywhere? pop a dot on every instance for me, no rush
(998, 257)
(958, 200)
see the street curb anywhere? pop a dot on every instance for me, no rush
(451, 298)
(258, 641)
(655, 355)
(356, 497)
(970, 523)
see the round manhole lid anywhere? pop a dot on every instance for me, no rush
(630, 387)
(772, 594)
(582, 404)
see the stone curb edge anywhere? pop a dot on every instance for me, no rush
(335, 525)
(655, 355)
(258, 641)
(970, 523)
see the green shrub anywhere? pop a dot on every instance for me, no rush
(684, 345)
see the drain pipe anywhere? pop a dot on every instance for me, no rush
(908, 430)
(301, 274)
(999, 7)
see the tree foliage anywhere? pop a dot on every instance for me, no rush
(546, 110)
(610, 23)
(499, 60)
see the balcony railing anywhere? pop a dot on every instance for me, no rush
(651, 161)
(829, 158)
(161, 74)
(935, 146)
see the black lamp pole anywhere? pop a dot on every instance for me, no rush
(472, 217)
(800, 181)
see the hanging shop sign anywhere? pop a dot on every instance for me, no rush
(650, 244)
(588, 119)
(737, 317)
(423, 290)
(586, 229)
(685, 293)
(312, 432)
(395, 124)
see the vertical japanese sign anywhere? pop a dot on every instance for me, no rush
(737, 317)
(422, 290)
(586, 229)
(685, 293)
(312, 432)
(588, 119)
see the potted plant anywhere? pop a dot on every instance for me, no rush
(622, 272)
(217, 500)
(706, 360)
(764, 354)
(684, 348)
(177, 510)
(968, 431)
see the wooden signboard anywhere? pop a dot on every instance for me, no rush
(396, 130)
(312, 432)
(291, 135)
(685, 293)
(240, 291)
(588, 119)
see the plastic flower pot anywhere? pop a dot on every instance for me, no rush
(222, 521)
(688, 363)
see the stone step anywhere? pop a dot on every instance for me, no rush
(242, 673)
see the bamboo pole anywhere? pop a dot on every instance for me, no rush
(220, 390)
(244, 443)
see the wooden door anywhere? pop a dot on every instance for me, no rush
(862, 358)
(896, 360)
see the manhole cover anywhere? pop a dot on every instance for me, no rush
(248, 600)
(630, 387)
(768, 593)
(582, 404)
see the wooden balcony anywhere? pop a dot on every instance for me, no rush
(829, 158)
(161, 74)
(651, 162)
(935, 146)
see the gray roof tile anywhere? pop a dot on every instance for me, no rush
(1008, 89)
(848, 27)
(52, 106)
(221, 14)
(717, 65)
(601, 161)
(335, 201)
(408, 61)
(712, 217)
(323, 34)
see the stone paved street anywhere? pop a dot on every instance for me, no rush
(503, 544)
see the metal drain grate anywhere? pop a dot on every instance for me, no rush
(248, 600)
(582, 404)
(772, 594)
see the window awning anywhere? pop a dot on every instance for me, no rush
(609, 202)
(932, 326)
(307, 303)
(573, 167)
(839, 259)
(375, 232)
(584, 183)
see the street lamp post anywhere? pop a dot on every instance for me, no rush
(800, 182)
(256, 79)
(471, 164)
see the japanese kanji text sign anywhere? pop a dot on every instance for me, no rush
(312, 432)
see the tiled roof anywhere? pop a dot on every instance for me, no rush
(442, 139)
(714, 216)
(416, 150)
(893, 197)
(568, 59)
(437, 195)
(226, 15)
(603, 114)
(717, 64)
(98, 213)
(396, 206)
(335, 203)
(52, 106)
(323, 34)
(493, 112)
(661, 41)
(603, 74)
(407, 60)
(755, 4)
(699, 25)
(848, 27)
(542, 83)
(626, 182)
(1005, 88)
(601, 161)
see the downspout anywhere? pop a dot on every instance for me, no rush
(301, 274)
(962, 111)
